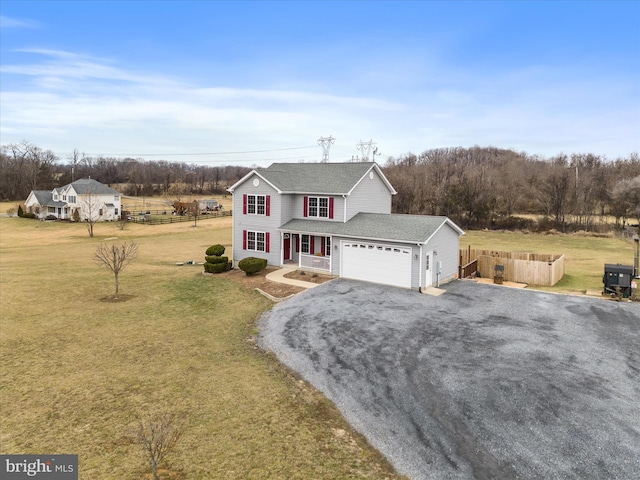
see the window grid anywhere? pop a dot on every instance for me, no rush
(256, 204)
(304, 244)
(256, 241)
(318, 207)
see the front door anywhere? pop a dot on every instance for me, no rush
(286, 247)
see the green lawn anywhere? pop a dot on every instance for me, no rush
(76, 371)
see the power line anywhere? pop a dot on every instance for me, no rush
(193, 154)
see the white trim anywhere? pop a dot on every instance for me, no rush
(450, 223)
(246, 177)
(380, 174)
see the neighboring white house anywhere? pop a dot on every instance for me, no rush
(336, 218)
(92, 199)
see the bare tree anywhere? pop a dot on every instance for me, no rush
(91, 209)
(116, 257)
(158, 435)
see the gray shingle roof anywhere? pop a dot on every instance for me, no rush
(319, 227)
(44, 197)
(86, 186)
(380, 226)
(325, 178)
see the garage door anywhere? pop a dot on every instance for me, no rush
(387, 264)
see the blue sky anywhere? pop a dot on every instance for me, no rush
(203, 81)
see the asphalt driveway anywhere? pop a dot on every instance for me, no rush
(480, 382)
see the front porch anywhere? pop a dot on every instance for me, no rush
(306, 251)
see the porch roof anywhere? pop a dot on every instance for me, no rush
(314, 227)
(376, 226)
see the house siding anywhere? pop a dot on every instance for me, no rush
(446, 243)
(260, 223)
(62, 195)
(288, 210)
(369, 195)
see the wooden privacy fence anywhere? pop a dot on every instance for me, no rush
(520, 267)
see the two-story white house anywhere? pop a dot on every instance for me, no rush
(336, 218)
(92, 199)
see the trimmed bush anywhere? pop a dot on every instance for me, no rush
(251, 265)
(212, 259)
(215, 250)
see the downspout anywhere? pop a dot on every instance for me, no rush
(420, 272)
(344, 215)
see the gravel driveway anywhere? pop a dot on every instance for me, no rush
(480, 382)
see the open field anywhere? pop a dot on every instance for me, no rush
(585, 256)
(76, 371)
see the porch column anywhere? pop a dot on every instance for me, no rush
(281, 247)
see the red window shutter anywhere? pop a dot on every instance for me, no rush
(330, 209)
(244, 239)
(306, 206)
(297, 237)
(311, 246)
(266, 242)
(267, 206)
(322, 245)
(244, 203)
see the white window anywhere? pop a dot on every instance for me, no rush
(72, 199)
(116, 198)
(256, 204)
(256, 241)
(319, 207)
(304, 243)
(327, 246)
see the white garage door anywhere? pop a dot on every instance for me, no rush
(387, 264)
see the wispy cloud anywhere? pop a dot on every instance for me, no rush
(78, 101)
(9, 22)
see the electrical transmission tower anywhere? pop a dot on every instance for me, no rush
(325, 143)
(366, 148)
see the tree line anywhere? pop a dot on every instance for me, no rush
(485, 186)
(25, 167)
(476, 187)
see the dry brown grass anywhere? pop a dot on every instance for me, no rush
(75, 370)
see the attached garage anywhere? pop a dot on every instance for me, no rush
(406, 251)
(377, 263)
